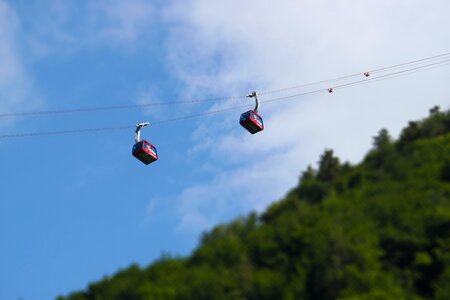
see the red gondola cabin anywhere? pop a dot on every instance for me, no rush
(251, 121)
(145, 152)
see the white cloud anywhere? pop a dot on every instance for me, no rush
(148, 95)
(66, 27)
(125, 21)
(224, 47)
(15, 84)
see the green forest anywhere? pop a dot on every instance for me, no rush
(379, 229)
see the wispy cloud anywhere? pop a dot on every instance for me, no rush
(125, 21)
(15, 82)
(221, 48)
(66, 27)
(149, 95)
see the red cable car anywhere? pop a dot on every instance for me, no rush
(250, 120)
(143, 150)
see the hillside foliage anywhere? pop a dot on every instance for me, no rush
(376, 230)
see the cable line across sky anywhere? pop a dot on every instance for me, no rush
(368, 77)
(422, 63)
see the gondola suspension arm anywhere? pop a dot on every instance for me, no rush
(139, 126)
(254, 95)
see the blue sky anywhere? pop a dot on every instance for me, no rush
(75, 208)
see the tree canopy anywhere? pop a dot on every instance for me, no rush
(376, 230)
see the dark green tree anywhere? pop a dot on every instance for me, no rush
(382, 140)
(329, 167)
(376, 230)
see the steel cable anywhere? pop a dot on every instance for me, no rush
(272, 100)
(426, 61)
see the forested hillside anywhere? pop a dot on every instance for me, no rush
(376, 230)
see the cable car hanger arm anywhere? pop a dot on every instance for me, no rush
(139, 126)
(254, 95)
